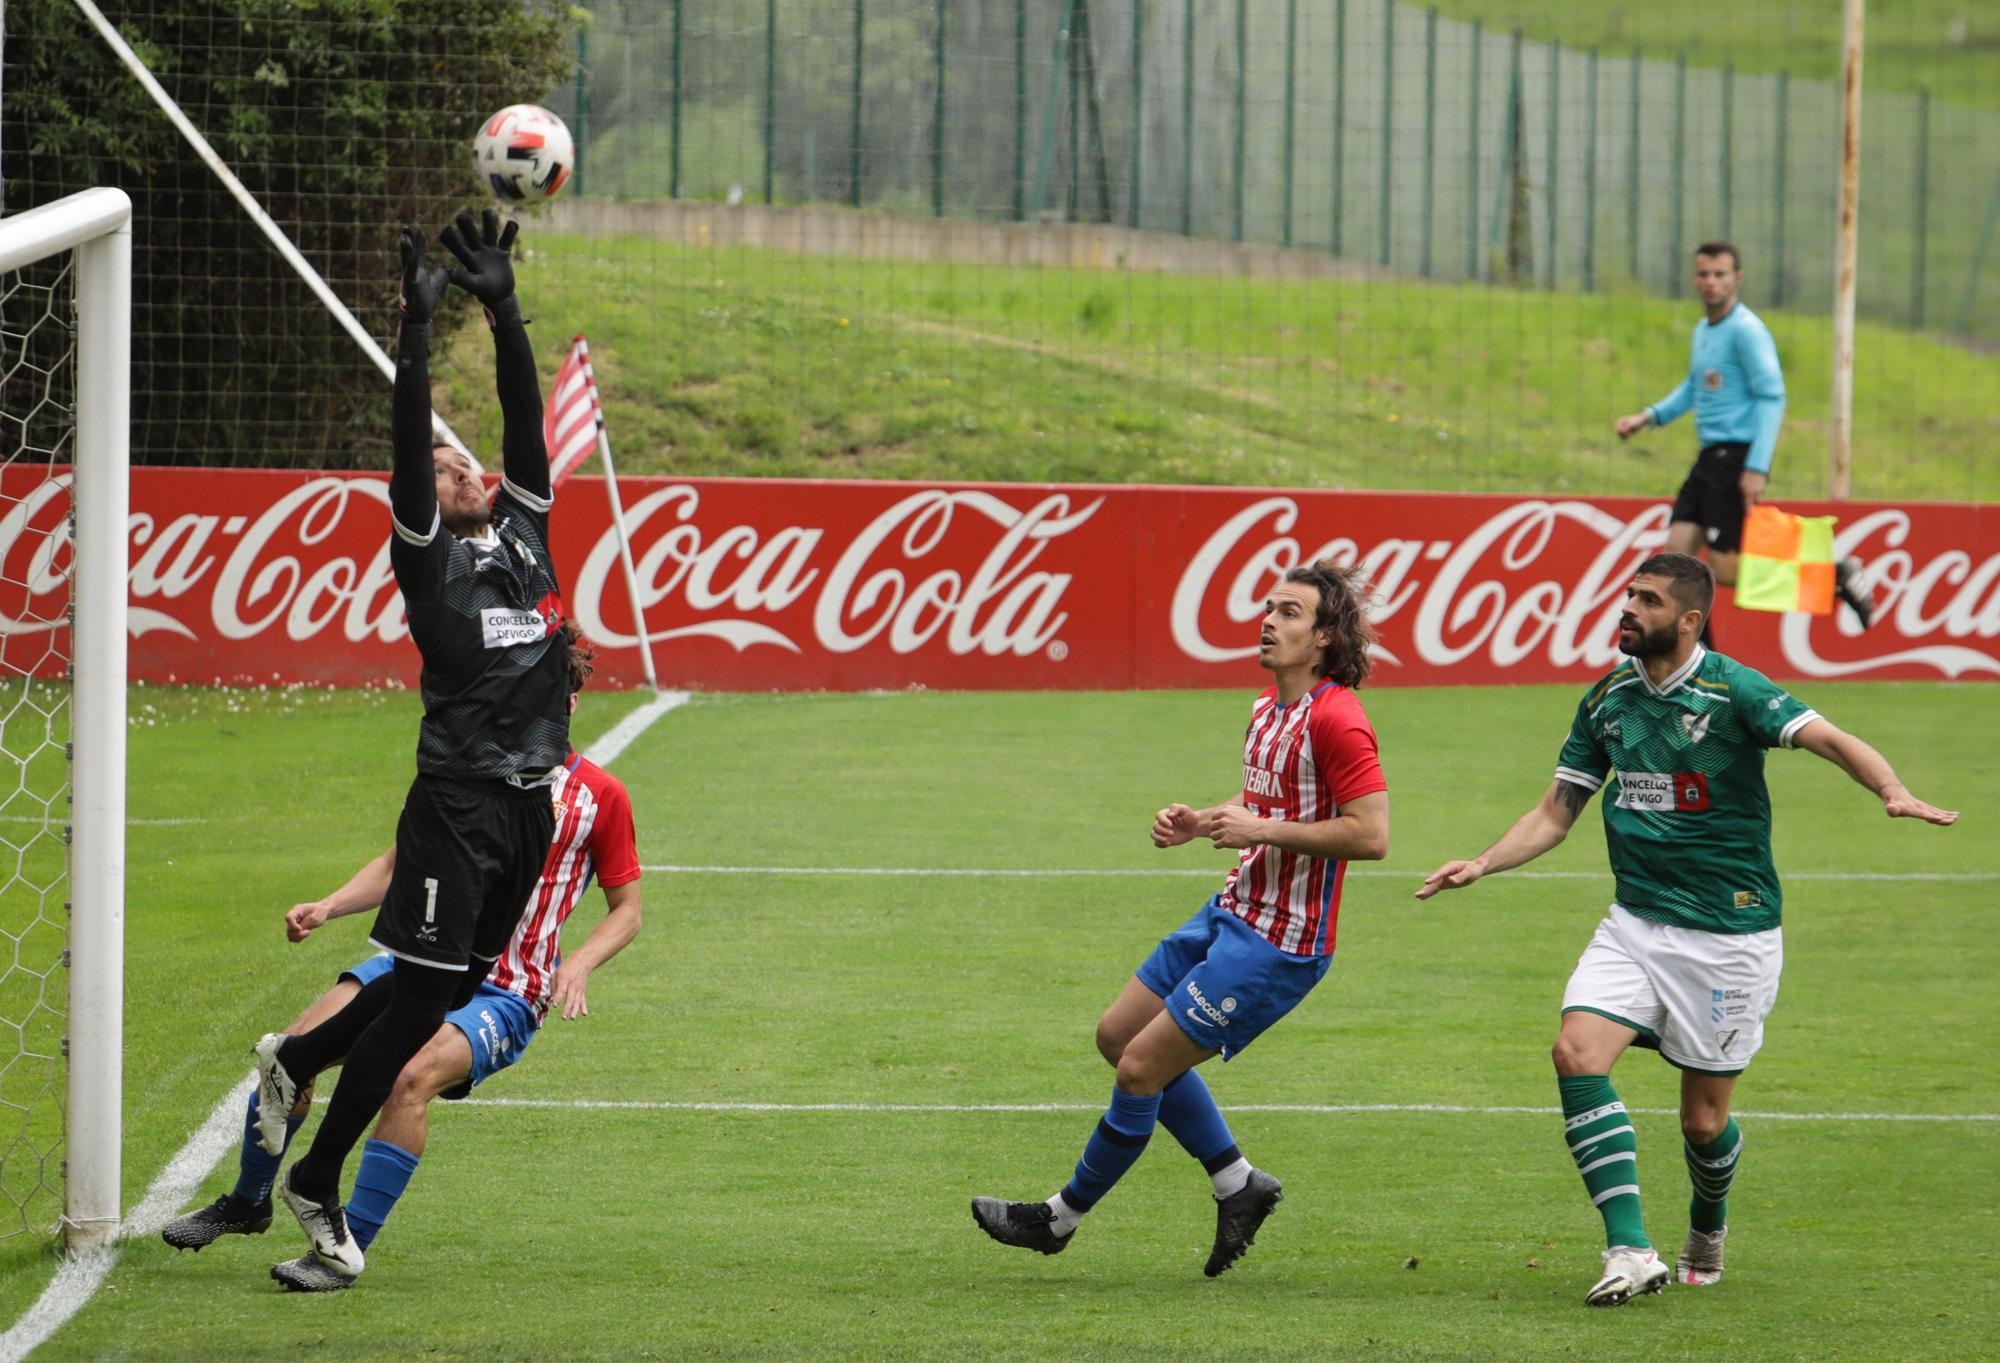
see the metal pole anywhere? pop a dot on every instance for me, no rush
(674, 133)
(770, 94)
(1844, 260)
(1138, 108)
(1728, 146)
(1242, 91)
(1020, 110)
(1590, 176)
(1632, 174)
(1187, 120)
(582, 103)
(1778, 190)
(1555, 121)
(1388, 125)
(1680, 168)
(860, 65)
(1075, 128)
(937, 119)
(1053, 108)
(1979, 259)
(1339, 111)
(1291, 61)
(1919, 268)
(625, 557)
(1430, 130)
(97, 776)
(1472, 159)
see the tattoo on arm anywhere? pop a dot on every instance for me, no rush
(1572, 796)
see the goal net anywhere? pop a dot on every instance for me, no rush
(65, 305)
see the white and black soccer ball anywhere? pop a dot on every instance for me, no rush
(523, 154)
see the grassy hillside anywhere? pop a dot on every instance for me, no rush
(756, 363)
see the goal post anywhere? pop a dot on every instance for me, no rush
(96, 226)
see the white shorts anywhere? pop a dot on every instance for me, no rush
(1701, 997)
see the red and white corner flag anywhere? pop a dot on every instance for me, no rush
(573, 426)
(572, 419)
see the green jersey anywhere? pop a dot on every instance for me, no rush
(1687, 818)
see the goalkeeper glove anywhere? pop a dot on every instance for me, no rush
(423, 289)
(485, 269)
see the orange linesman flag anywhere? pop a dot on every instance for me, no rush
(1787, 562)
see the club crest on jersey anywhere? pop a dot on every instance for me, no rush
(1696, 725)
(1711, 379)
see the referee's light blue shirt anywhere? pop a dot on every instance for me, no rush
(1734, 385)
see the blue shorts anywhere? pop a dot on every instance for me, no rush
(1223, 982)
(498, 1025)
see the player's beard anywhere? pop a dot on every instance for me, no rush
(466, 524)
(1650, 643)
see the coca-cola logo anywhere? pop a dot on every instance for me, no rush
(891, 582)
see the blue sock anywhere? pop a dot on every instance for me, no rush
(1113, 1148)
(384, 1173)
(1188, 1110)
(255, 1170)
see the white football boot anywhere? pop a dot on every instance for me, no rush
(1700, 1264)
(277, 1093)
(1628, 1273)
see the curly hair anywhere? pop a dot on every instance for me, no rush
(582, 657)
(1343, 608)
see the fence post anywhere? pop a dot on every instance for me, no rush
(1187, 119)
(1075, 128)
(1590, 175)
(582, 101)
(1555, 108)
(1138, 106)
(1778, 178)
(1020, 110)
(1979, 259)
(860, 65)
(1291, 61)
(1242, 94)
(937, 120)
(1680, 167)
(1388, 122)
(1728, 146)
(770, 94)
(1632, 174)
(1923, 196)
(1472, 160)
(674, 131)
(1430, 130)
(1054, 106)
(1339, 114)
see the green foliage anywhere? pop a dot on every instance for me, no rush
(343, 118)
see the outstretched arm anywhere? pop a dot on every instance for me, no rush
(606, 940)
(486, 271)
(1541, 828)
(413, 504)
(364, 890)
(1868, 768)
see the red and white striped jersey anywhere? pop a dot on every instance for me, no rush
(593, 838)
(1301, 762)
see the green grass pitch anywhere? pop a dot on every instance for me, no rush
(540, 1230)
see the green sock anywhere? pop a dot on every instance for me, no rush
(1712, 1168)
(1605, 1148)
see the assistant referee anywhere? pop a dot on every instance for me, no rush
(486, 615)
(1737, 391)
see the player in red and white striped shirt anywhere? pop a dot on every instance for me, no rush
(593, 840)
(1313, 799)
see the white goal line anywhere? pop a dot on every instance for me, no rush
(1211, 872)
(1295, 1109)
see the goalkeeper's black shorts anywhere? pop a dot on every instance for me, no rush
(1713, 498)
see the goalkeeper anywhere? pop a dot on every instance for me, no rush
(486, 615)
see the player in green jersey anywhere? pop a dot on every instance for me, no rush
(1686, 962)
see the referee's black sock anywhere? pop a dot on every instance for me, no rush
(313, 1052)
(423, 995)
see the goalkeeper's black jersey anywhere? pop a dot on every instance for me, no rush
(488, 620)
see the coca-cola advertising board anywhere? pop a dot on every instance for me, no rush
(752, 584)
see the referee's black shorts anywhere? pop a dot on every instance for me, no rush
(468, 853)
(1712, 497)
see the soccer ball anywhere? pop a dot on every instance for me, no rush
(523, 154)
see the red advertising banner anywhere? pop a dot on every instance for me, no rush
(751, 584)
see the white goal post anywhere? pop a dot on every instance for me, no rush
(97, 225)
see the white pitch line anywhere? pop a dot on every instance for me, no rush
(81, 1276)
(1306, 1109)
(1101, 872)
(621, 735)
(54, 825)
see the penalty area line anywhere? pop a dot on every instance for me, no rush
(1296, 1109)
(1210, 872)
(81, 1275)
(627, 730)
